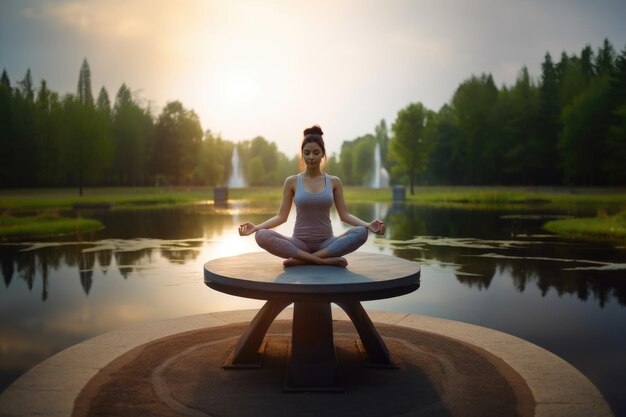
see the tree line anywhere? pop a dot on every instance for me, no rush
(78, 139)
(566, 127)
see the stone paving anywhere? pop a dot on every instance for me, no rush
(446, 368)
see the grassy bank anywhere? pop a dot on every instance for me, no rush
(33, 201)
(601, 227)
(468, 197)
(44, 225)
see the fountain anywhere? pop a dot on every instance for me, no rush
(380, 179)
(236, 179)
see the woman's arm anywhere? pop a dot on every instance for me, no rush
(280, 217)
(376, 226)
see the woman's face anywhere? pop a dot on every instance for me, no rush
(312, 154)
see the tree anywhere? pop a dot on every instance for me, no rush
(477, 149)
(26, 87)
(605, 60)
(86, 149)
(103, 103)
(412, 139)
(363, 159)
(444, 164)
(259, 161)
(48, 140)
(519, 130)
(345, 159)
(4, 80)
(584, 130)
(132, 138)
(7, 130)
(586, 63)
(615, 145)
(22, 145)
(84, 94)
(178, 137)
(213, 161)
(550, 125)
(616, 137)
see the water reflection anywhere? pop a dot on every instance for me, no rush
(494, 269)
(445, 238)
(507, 245)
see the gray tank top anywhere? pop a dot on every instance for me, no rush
(313, 212)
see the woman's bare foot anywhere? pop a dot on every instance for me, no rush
(341, 262)
(294, 262)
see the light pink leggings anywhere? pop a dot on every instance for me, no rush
(287, 247)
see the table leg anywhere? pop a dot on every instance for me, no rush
(313, 362)
(246, 352)
(377, 352)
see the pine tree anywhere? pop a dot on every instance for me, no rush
(4, 81)
(605, 60)
(549, 110)
(26, 87)
(84, 85)
(103, 103)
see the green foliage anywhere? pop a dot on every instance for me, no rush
(178, 137)
(584, 127)
(44, 225)
(601, 227)
(567, 126)
(132, 138)
(262, 163)
(413, 140)
(616, 149)
(214, 156)
(84, 93)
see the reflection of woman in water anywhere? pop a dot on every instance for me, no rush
(313, 192)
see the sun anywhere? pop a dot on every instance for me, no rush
(237, 88)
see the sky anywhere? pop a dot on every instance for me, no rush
(272, 68)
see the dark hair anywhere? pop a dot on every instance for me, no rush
(313, 134)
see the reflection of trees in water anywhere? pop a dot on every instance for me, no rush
(181, 255)
(189, 222)
(406, 222)
(86, 263)
(105, 257)
(127, 261)
(37, 262)
(34, 264)
(8, 266)
(178, 234)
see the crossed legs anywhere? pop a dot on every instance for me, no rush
(297, 252)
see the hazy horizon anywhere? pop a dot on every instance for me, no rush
(251, 68)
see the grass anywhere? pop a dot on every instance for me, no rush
(517, 197)
(44, 225)
(603, 227)
(33, 201)
(468, 197)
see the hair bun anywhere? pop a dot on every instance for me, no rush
(313, 130)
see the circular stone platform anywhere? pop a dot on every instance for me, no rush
(173, 367)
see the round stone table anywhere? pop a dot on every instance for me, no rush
(311, 288)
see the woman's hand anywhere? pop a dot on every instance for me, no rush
(247, 229)
(377, 226)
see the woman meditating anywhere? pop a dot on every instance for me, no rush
(314, 193)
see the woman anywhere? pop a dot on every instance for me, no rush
(313, 192)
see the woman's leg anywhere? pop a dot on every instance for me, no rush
(294, 250)
(343, 244)
(279, 245)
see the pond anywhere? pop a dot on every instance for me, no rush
(491, 268)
